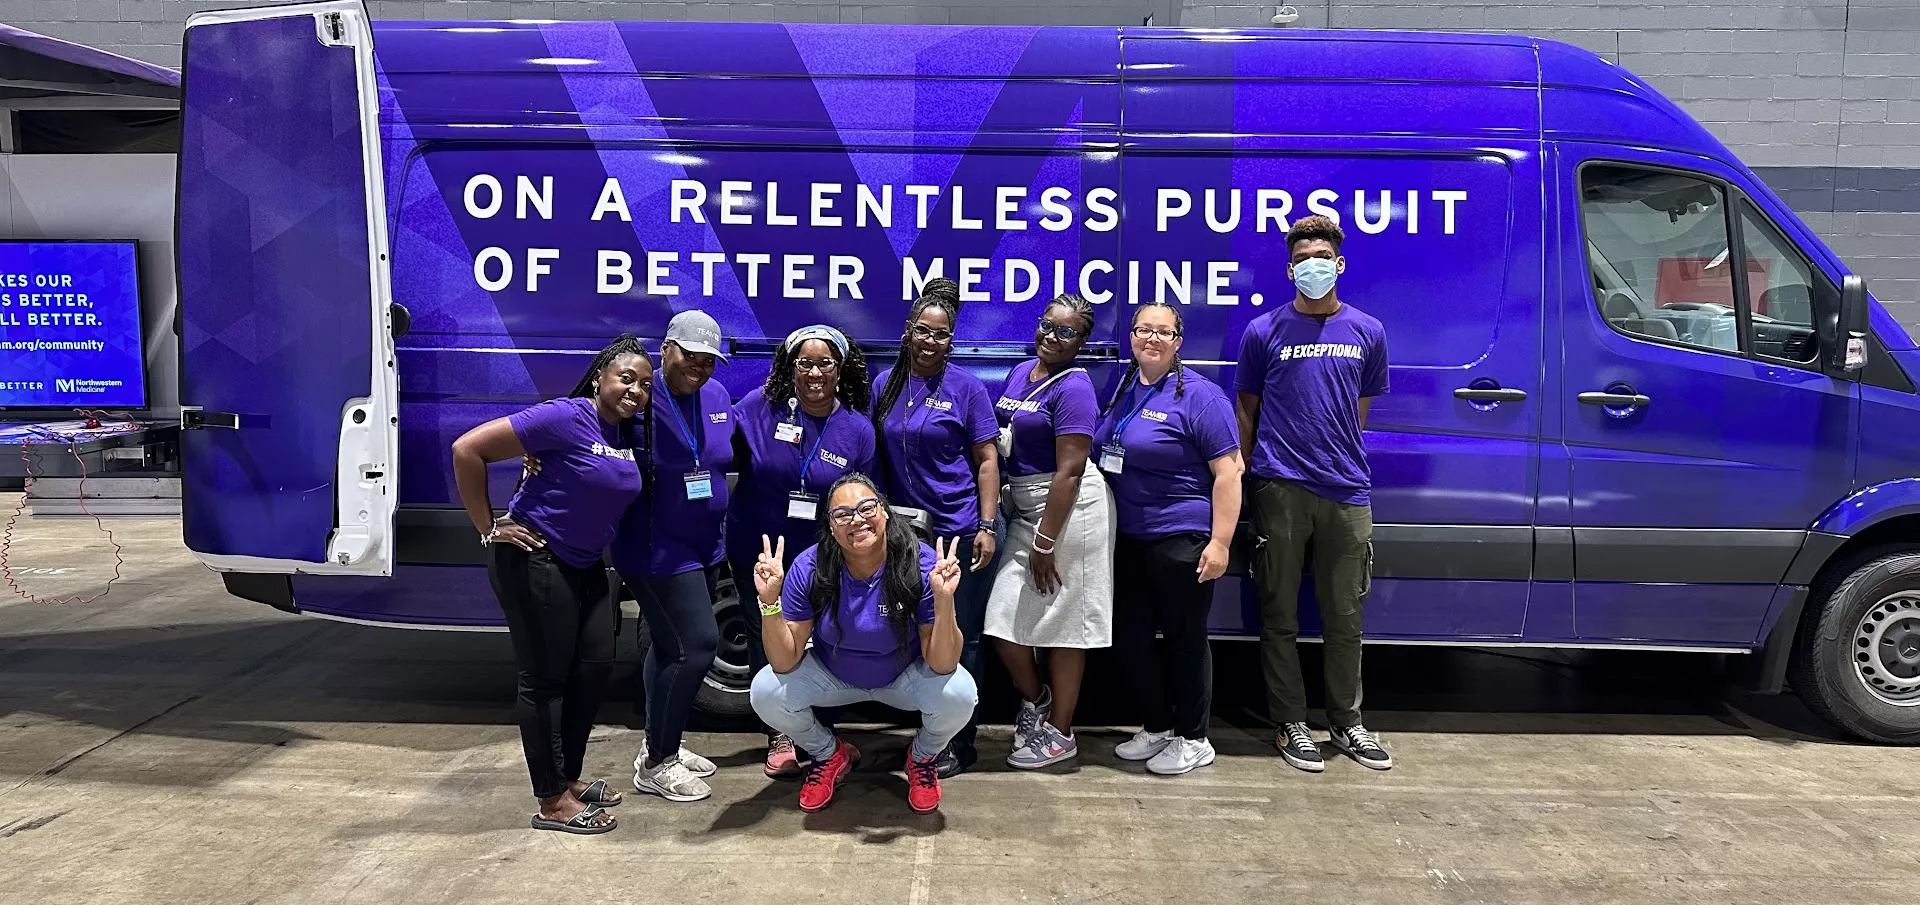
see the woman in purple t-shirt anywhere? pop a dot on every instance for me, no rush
(792, 439)
(1171, 451)
(1054, 589)
(544, 564)
(877, 606)
(938, 455)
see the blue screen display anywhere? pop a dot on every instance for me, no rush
(70, 326)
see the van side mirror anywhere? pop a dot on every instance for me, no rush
(1848, 352)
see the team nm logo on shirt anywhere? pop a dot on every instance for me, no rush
(840, 461)
(600, 449)
(718, 417)
(1322, 350)
(940, 405)
(1152, 415)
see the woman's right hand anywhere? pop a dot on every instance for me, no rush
(1045, 575)
(506, 530)
(769, 575)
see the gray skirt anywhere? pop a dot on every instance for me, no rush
(1080, 614)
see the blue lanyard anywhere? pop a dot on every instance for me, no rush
(807, 463)
(1121, 428)
(680, 421)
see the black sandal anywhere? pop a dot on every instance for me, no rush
(582, 823)
(598, 793)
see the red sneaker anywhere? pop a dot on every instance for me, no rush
(825, 776)
(782, 762)
(923, 785)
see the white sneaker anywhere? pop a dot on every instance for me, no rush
(695, 764)
(670, 779)
(1143, 746)
(1181, 756)
(1032, 714)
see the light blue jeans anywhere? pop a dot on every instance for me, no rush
(785, 701)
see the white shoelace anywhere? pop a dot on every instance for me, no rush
(673, 775)
(1360, 738)
(1299, 737)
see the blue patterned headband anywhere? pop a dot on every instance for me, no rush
(818, 331)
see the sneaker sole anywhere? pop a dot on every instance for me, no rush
(1150, 755)
(641, 785)
(1369, 764)
(1029, 765)
(1204, 762)
(921, 810)
(1309, 766)
(703, 774)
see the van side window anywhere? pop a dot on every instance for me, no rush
(1660, 256)
(1785, 291)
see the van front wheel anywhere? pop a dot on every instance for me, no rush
(1857, 662)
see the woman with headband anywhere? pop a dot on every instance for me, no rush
(793, 438)
(938, 455)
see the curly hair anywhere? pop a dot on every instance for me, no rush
(941, 293)
(1315, 227)
(854, 388)
(1133, 365)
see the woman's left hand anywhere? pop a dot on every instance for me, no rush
(946, 572)
(1213, 561)
(983, 547)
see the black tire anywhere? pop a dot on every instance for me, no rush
(723, 693)
(1857, 655)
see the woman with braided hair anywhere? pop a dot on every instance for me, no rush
(1170, 450)
(938, 455)
(793, 438)
(544, 563)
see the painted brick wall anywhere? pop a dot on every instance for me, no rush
(1821, 96)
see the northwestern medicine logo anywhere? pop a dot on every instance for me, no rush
(84, 385)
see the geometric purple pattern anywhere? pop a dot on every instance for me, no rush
(274, 295)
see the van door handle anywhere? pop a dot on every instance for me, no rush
(1615, 400)
(1495, 394)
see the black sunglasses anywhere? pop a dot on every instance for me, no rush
(1064, 334)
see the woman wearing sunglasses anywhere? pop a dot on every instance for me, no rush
(1054, 589)
(938, 455)
(793, 438)
(877, 605)
(1171, 450)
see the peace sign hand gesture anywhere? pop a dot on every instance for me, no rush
(769, 575)
(946, 572)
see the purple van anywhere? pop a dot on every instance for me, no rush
(1636, 402)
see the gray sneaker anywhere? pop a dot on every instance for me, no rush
(1356, 742)
(670, 779)
(695, 764)
(1032, 714)
(1046, 748)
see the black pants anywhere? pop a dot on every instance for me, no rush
(1156, 587)
(561, 619)
(679, 615)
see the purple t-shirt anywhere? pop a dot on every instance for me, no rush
(1310, 377)
(1066, 407)
(838, 443)
(587, 477)
(665, 532)
(929, 437)
(856, 642)
(1165, 485)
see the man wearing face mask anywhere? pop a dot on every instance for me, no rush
(1307, 374)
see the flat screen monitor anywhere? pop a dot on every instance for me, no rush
(70, 329)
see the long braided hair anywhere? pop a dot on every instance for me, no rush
(624, 344)
(902, 585)
(854, 389)
(941, 293)
(1133, 366)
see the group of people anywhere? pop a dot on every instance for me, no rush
(1061, 522)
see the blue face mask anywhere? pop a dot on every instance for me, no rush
(1315, 277)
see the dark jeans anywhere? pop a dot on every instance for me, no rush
(679, 615)
(1285, 517)
(561, 619)
(1156, 586)
(970, 610)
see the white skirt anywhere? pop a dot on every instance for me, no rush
(1080, 614)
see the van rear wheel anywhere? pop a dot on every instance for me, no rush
(723, 692)
(1857, 658)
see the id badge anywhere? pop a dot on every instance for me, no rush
(699, 485)
(1113, 459)
(787, 432)
(802, 505)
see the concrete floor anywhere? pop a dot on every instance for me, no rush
(170, 744)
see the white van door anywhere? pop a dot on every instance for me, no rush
(285, 321)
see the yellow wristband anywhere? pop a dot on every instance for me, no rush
(769, 609)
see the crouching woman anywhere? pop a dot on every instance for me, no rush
(878, 606)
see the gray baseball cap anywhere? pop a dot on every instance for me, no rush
(696, 331)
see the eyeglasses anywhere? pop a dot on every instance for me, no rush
(1162, 334)
(1064, 334)
(844, 515)
(818, 365)
(922, 331)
